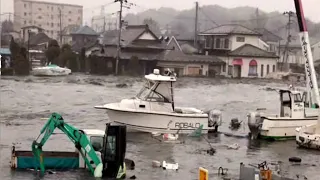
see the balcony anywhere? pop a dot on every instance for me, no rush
(216, 43)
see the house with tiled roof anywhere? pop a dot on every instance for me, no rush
(83, 37)
(66, 33)
(140, 44)
(241, 48)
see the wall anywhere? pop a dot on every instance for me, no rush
(46, 15)
(260, 61)
(253, 40)
(184, 67)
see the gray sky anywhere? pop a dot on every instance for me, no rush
(311, 7)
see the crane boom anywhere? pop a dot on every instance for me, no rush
(77, 136)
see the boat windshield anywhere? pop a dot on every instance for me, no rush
(159, 92)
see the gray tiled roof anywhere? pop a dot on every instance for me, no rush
(70, 29)
(85, 30)
(268, 36)
(39, 38)
(231, 29)
(178, 56)
(127, 35)
(249, 50)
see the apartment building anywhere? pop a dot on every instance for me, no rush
(52, 17)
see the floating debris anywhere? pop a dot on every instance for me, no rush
(168, 166)
(122, 85)
(234, 146)
(235, 124)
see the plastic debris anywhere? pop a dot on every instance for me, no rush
(170, 137)
(234, 146)
(168, 166)
(156, 163)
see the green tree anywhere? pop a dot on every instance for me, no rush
(153, 25)
(53, 52)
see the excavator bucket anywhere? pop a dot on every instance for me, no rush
(37, 152)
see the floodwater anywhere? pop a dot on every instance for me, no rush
(25, 101)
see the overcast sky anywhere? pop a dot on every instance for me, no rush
(311, 7)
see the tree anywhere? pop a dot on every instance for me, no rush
(68, 58)
(21, 64)
(153, 25)
(53, 52)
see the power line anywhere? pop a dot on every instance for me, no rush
(208, 17)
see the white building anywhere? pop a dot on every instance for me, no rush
(52, 17)
(316, 51)
(102, 23)
(242, 49)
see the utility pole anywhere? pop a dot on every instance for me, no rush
(119, 35)
(60, 16)
(285, 52)
(196, 26)
(104, 24)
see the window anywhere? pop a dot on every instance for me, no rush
(51, 16)
(69, 12)
(51, 8)
(274, 68)
(78, 18)
(97, 142)
(51, 24)
(240, 39)
(261, 70)
(69, 20)
(111, 148)
(217, 43)
(25, 22)
(25, 14)
(226, 43)
(39, 9)
(39, 17)
(230, 70)
(25, 6)
(268, 69)
(253, 68)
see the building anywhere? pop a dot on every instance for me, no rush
(52, 17)
(83, 37)
(142, 51)
(242, 49)
(316, 51)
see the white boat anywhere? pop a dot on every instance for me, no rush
(308, 136)
(51, 70)
(153, 110)
(293, 114)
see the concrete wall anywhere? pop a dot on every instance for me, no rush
(253, 40)
(46, 15)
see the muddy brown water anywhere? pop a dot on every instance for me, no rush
(26, 100)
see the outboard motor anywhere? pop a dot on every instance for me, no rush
(254, 123)
(214, 120)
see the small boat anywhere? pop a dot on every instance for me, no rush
(153, 110)
(51, 70)
(293, 114)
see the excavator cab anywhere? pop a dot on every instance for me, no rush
(113, 153)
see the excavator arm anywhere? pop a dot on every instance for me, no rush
(77, 136)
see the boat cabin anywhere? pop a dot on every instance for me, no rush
(157, 92)
(291, 104)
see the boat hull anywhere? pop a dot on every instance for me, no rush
(160, 123)
(51, 71)
(283, 128)
(307, 138)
